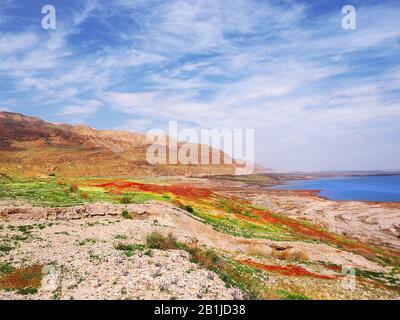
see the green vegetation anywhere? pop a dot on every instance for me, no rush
(156, 240)
(187, 208)
(291, 296)
(23, 280)
(121, 237)
(141, 197)
(125, 199)
(228, 215)
(384, 278)
(5, 247)
(48, 193)
(94, 257)
(130, 249)
(247, 229)
(86, 241)
(53, 192)
(27, 290)
(125, 214)
(5, 268)
(246, 278)
(265, 180)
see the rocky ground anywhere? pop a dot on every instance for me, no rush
(376, 223)
(80, 261)
(77, 251)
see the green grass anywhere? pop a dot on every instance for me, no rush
(291, 296)
(247, 229)
(384, 278)
(47, 193)
(141, 197)
(51, 192)
(130, 249)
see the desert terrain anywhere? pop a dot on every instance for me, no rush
(110, 228)
(209, 244)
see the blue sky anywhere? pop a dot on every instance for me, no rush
(319, 97)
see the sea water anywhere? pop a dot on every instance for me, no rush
(366, 188)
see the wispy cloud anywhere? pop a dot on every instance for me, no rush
(287, 69)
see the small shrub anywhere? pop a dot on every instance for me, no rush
(299, 255)
(27, 290)
(86, 241)
(129, 249)
(208, 259)
(156, 240)
(25, 228)
(5, 247)
(257, 251)
(187, 208)
(125, 214)
(73, 188)
(6, 268)
(85, 195)
(125, 200)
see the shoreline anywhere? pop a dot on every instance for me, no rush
(316, 192)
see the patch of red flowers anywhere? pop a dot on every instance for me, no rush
(312, 232)
(179, 190)
(332, 267)
(285, 270)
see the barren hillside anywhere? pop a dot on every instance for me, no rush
(30, 146)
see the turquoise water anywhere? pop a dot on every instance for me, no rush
(366, 188)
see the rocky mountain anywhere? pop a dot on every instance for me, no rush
(30, 146)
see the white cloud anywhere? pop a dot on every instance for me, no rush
(240, 63)
(83, 109)
(14, 43)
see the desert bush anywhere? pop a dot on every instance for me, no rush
(125, 214)
(256, 251)
(125, 200)
(130, 249)
(232, 273)
(187, 208)
(299, 255)
(206, 258)
(6, 268)
(73, 188)
(27, 290)
(156, 240)
(4, 247)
